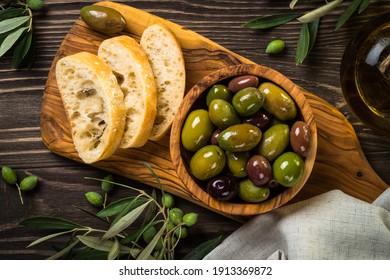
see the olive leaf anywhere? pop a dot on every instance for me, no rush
(125, 221)
(203, 249)
(50, 236)
(11, 12)
(12, 23)
(42, 222)
(10, 40)
(145, 253)
(265, 22)
(114, 251)
(118, 206)
(363, 5)
(87, 253)
(99, 244)
(63, 251)
(313, 30)
(303, 44)
(90, 213)
(132, 205)
(22, 49)
(293, 3)
(151, 210)
(347, 13)
(319, 12)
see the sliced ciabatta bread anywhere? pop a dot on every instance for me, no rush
(129, 63)
(166, 58)
(94, 105)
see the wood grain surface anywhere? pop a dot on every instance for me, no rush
(62, 182)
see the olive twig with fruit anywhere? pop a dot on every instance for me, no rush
(17, 30)
(309, 23)
(162, 227)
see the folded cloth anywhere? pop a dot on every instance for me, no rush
(330, 226)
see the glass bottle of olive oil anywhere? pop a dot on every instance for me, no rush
(365, 74)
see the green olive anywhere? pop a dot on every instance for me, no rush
(218, 92)
(181, 232)
(107, 184)
(167, 200)
(277, 102)
(274, 142)
(222, 114)
(149, 234)
(288, 169)
(103, 19)
(190, 219)
(28, 183)
(94, 198)
(9, 175)
(176, 215)
(197, 130)
(237, 163)
(239, 138)
(275, 46)
(248, 101)
(249, 192)
(207, 162)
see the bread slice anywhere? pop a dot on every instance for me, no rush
(94, 105)
(129, 63)
(166, 58)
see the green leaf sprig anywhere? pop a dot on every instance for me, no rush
(161, 227)
(310, 21)
(17, 30)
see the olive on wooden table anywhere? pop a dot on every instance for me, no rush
(218, 92)
(241, 82)
(260, 119)
(239, 138)
(278, 102)
(249, 192)
(288, 169)
(237, 162)
(259, 170)
(222, 114)
(248, 101)
(103, 19)
(207, 162)
(222, 187)
(197, 130)
(300, 138)
(274, 141)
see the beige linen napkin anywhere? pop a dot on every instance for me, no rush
(332, 226)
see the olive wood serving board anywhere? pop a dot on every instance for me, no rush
(338, 145)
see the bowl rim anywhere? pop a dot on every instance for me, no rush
(243, 209)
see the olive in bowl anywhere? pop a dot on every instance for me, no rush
(244, 140)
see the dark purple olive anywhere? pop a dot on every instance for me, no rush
(300, 138)
(214, 136)
(272, 184)
(223, 188)
(242, 82)
(259, 170)
(260, 119)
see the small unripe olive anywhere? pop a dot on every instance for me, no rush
(96, 199)
(167, 200)
(9, 175)
(181, 232)
(35, 4)
(190, 219)
(176, 215)
(28, 183)
(106, 184)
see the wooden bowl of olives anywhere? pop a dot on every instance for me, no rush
(244, 140)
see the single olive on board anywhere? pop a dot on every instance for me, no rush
(103, 19)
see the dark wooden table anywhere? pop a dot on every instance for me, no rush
(61, 181)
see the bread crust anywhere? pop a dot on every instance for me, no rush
(128, 61)
(97, 126)
(167, 61)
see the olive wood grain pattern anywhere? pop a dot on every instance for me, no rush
(340, 163)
